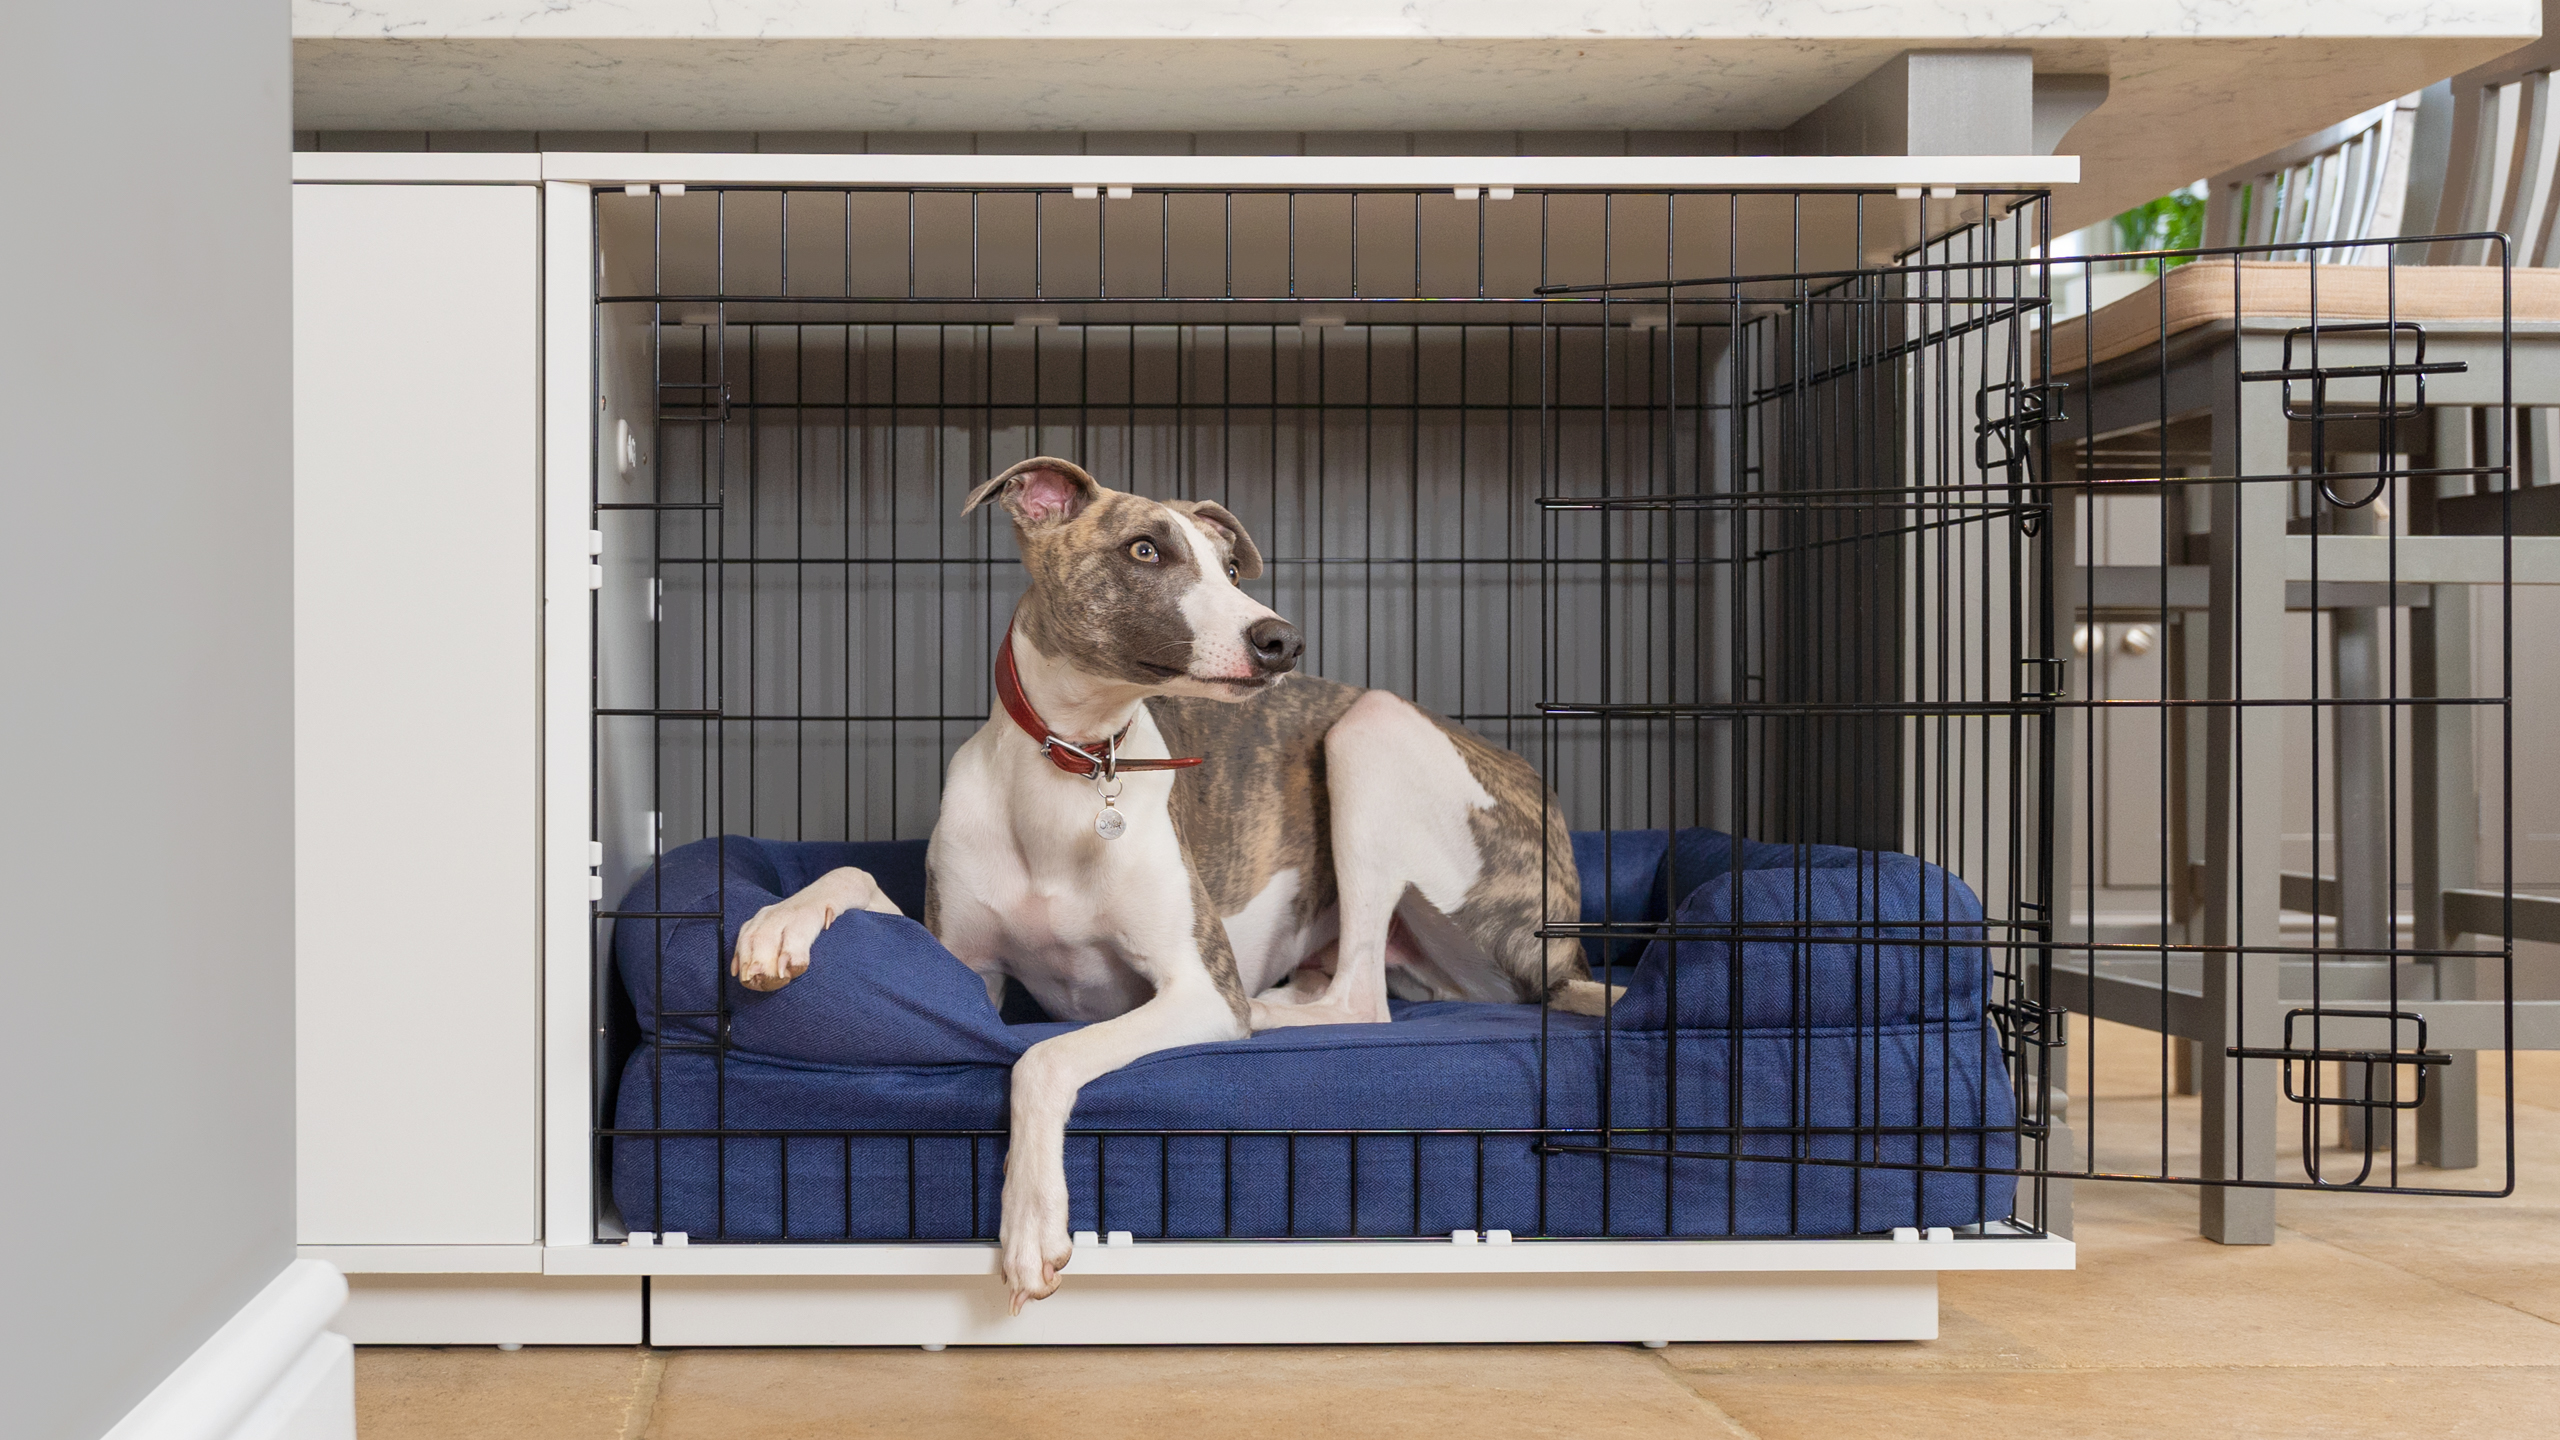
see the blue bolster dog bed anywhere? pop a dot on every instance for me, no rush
(1837, 1017)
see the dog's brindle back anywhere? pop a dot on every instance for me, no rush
(1245, 821)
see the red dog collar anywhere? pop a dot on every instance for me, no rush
(1100, 757)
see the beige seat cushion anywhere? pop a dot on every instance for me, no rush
(2205, 291)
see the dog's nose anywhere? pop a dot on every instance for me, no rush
(1276, 645)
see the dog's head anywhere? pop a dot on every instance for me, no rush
(1138, 590)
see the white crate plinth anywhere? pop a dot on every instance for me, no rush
(1170, 1258)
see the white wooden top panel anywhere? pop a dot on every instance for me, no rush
(417, 168)
(1323, 171)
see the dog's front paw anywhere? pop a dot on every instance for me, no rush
(1034, 1246)
(1031, 1264)
(773, 948)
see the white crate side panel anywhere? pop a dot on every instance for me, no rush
(416, 436)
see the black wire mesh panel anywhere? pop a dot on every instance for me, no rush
(1758, 568)
(1875, 670)
(2291, 488)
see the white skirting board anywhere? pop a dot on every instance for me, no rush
(274, 1371)
(493, 1310)
(1295, 1309)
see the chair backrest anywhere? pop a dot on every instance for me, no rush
(2477, 153)
(2350, 180)
(2501, 163)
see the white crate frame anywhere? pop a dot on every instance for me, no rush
(1220, 1292)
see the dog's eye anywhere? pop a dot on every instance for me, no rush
(1144, 550)
(1231, 572)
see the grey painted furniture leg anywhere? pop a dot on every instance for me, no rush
(2188, 523)
(2445, 795)
(2063, 1151)
(2244, 796)
(2361, 819)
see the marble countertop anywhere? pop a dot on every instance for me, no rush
(2195, 85)
(1917, 20)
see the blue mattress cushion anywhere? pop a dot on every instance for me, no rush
(866, 1099)
(1620, 869)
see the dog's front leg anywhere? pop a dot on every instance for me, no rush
(773, 946)
(1188, 1009)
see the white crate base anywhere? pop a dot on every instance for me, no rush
(492, 1310)
(1177, 1293)
(1296, 1309)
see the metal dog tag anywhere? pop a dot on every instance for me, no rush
(1106, 783)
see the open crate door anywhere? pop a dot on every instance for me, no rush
(2179, 631)
(2291, 525)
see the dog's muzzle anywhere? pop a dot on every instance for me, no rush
(1276, 645)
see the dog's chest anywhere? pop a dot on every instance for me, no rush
(1027, 885)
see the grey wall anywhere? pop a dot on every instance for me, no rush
(146, 855)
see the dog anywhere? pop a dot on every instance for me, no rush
(1163, 830)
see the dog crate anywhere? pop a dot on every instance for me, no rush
(1764, 521)
(1674, 542)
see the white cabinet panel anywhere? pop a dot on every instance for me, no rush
(417, 500)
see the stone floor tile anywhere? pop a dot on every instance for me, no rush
(2151, 1292)
(2197, 1404)
(478, 1392)
(2537, 1075)
(1487, 1393)
(2509, 1254)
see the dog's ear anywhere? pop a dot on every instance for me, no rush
(1042, 490)
(1218, 519)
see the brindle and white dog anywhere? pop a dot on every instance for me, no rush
(1336, 846)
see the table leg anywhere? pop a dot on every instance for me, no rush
(2244, 799)
(2360, 818)
(2445, 795)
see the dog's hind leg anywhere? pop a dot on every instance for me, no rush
(1403, 801)
(1479, 845)
(1529, 881)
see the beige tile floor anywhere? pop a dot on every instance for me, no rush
(2371, 1316)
